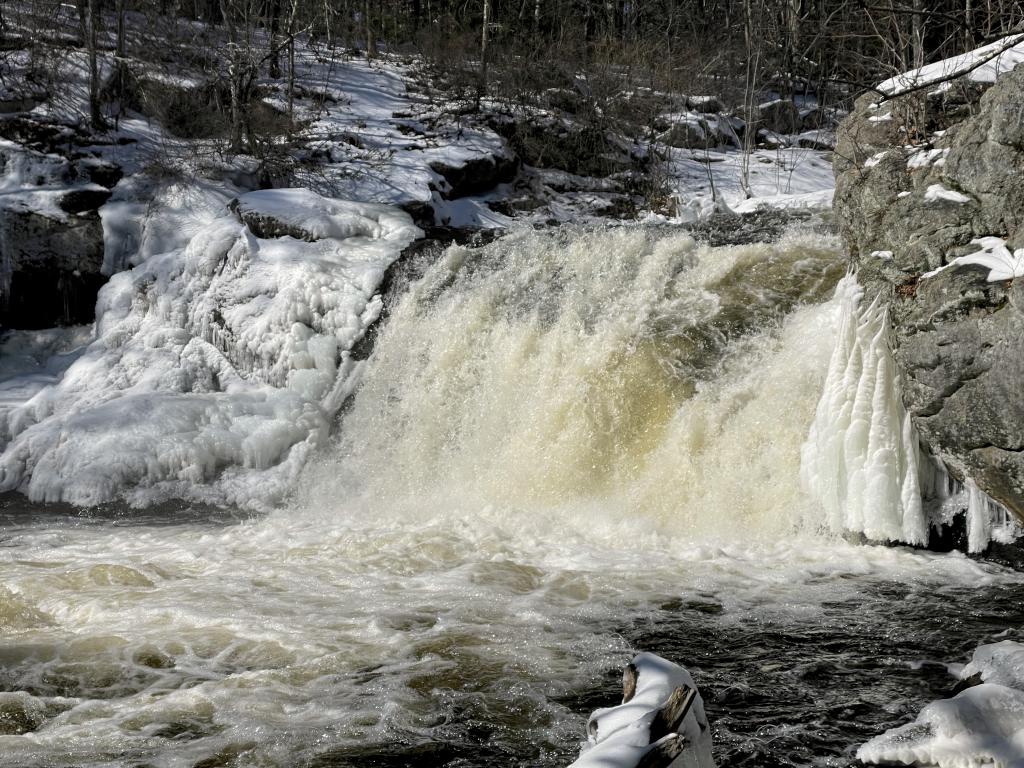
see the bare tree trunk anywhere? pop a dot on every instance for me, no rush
(120, 29)
(291, 67)
(235, 75)
(88, 14)
(275, 29)
(482, 86)
(371, 43)
(917, 33)
(750, 87)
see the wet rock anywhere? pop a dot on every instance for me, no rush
(50, 268)
(85, 199)
(918, 179)
(20, 713)
(51, 237)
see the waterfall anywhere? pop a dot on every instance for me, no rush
(578, 376)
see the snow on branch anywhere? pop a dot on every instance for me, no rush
(983, 65)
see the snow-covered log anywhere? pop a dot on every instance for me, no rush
(660, 723)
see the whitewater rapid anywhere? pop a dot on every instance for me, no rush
(566, 446)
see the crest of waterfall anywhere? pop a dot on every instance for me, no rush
(863, 461)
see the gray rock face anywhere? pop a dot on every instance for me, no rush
(917, 179)
(51, 238)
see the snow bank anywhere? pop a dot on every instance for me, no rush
(618, 737)
(982, 725)
(218, 365)
(994, 255)
(999, 62)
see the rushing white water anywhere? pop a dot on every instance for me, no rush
(563, 443)
(629, 380)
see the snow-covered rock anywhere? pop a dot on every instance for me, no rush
(982, 65)
(949, 208)
(982, 725)
(218, 364)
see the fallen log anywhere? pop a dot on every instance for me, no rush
(660, 723)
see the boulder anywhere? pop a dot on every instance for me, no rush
(691, 134)
(779, 116)
(51, 237)
(478, 175)
(919, 179)
(704, 104)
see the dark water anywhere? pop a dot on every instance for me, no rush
(777, 693)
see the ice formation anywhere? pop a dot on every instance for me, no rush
(217, 364)
(862, 460)
(620, 736)
(982, 725)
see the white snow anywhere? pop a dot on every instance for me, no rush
(937, 193)
(994, 255)
(998, 63)
(875, 159)
(619, 736)
(982, 725)
(217, 365)
(925, 157)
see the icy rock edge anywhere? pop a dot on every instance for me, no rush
(981, 725)
(863, 460)
(620, 737)
(218, 361)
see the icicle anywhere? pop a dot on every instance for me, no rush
(860, 460)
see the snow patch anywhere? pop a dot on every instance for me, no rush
(994, 255)
(926, 157)
(937, 193)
